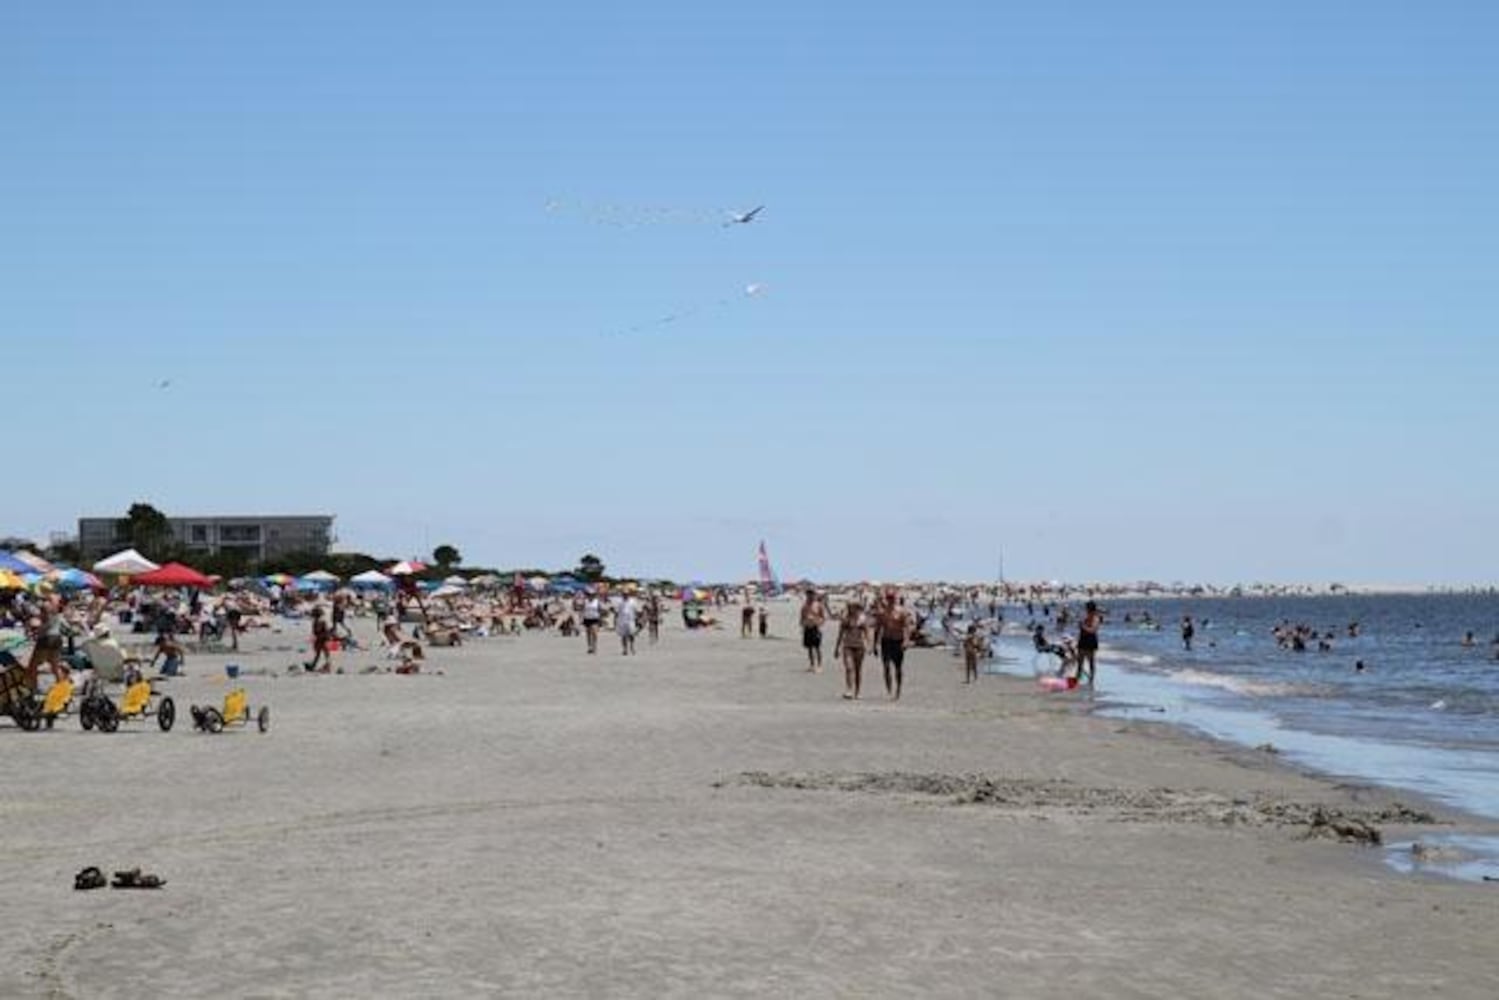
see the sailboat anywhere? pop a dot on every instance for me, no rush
(770, 585)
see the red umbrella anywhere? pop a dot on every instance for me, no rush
(172, 575)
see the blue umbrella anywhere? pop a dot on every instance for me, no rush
(74, 579)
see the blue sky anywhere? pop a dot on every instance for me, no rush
(1159, 289)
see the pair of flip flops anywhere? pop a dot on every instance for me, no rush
(92, 878)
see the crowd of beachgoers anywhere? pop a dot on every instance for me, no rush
(63, 614)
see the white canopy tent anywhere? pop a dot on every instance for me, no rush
(127, 563)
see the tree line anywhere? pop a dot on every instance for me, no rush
(149, 531)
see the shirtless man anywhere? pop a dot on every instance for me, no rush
(1087, 641)
(895, 632)
(814, 614)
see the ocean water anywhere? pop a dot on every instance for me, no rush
(1423, 715)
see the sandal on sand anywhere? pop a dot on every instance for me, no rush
(90, 878)
(133, 879)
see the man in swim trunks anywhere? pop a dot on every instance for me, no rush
(895, 632)
(814, 614)
(1087, 641)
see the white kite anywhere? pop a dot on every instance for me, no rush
(751, 290)
(744, 218)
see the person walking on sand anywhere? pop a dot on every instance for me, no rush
(47, 633)
(322, 636)
(850, 648)
(593, 617)
(625, 615)
(895, 633)
(1087, 641)
(813, 615)
(746, 620)
(340, 628)
(653, 617)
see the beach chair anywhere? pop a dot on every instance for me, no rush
(109, 661)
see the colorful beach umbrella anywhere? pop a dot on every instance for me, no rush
(12, 562)
(409, 567)
(75, 579)
(9, 580)
(36, 562)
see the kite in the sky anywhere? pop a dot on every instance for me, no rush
(744, 218)
(622, 216)
(751, 290)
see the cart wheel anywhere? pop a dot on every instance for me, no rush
(108, 719)
(213, 720)
(166, 714)
(86, 715)
(26, 715)
(263, 719)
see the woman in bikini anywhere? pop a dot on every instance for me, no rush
(850, 646)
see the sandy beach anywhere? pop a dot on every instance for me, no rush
(703, 819)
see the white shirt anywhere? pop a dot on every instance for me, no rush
(624, 616)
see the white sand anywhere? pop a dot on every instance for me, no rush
(541, 822)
